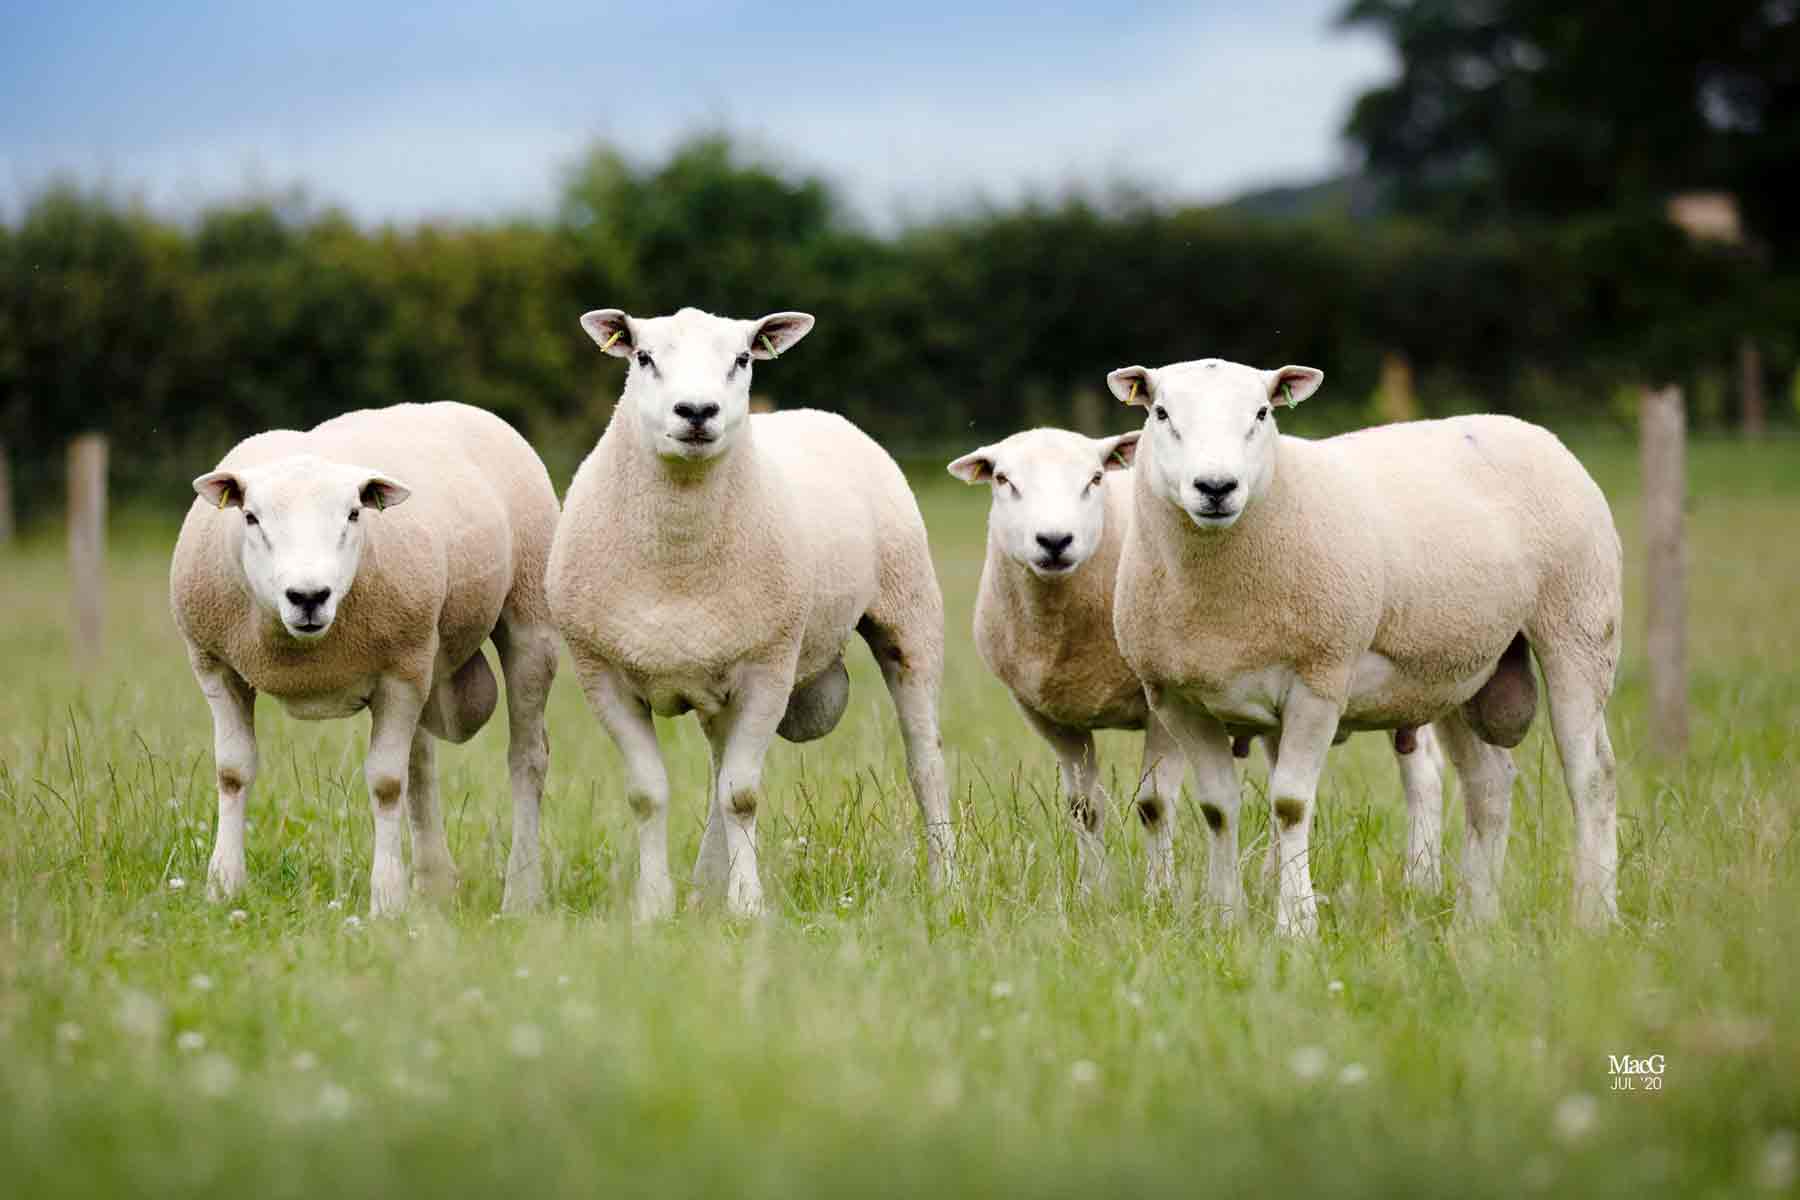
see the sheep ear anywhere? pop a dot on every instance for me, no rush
(1291, 385)
(221, 489)
(1132, 385)
(977, 466)
(611, 331)
(379, 492)
(1118, 453)
(773, 335)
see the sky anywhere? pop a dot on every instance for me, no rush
(457, 109)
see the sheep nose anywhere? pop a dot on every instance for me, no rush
(307, 601)
(1055, 543)
(696, 414)
(1217, 488)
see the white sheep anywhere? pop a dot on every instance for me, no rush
(1061, 504)
(1380, 580)
(308, 570)
(713, 561)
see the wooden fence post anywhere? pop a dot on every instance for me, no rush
(1662, 432)
(1753, 407)
(87, 540)
(8, 525)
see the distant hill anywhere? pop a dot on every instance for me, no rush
(1348, 195)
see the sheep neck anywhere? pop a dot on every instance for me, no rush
(692, 505)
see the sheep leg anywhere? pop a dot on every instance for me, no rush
(912, 670)
(1159, 789)
(434, 873)
(740, 734)
(1309, 722)
(233, 704)
(1207, 748)
(1486, 773)
(394, 709)
(627, 719)
(1421, 778)
(1578, 721)
(528, 661)
(1087, 800)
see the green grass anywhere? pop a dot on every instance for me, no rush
(865, 1038)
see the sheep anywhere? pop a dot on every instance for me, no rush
(1061, 503)
(1384, 579)
(361, 565)
(717, 562)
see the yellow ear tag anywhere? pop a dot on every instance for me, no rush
(224, 495)
(381, 500)
(617, 334)
(1132, 399)
(768, 345)
(1287, 394)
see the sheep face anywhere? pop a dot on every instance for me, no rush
(302, 532)
(689, 377)
(1049, 498)
(1211, 431)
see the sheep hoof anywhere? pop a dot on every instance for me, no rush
(816, 706)
(1501, 712)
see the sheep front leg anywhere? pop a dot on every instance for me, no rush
(627, 719)
(434, 873)
(1207, 748)
(1080, 775)
(394, 712)
(233, 704)
(1308, 723)
(1159, 791)
(740, 735)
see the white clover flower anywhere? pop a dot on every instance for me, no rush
(68, 1033)
(1779, 1163)
(201, 983)
(334, 904)
(335, 1102)
(353, 922)
(1575, 1116)
(1353, 1075)
(139, 1015)
(562, 981)
(526, 1041)
(306, 1060)
(1309, 1062)
(1135, 998)
(238, 916)
(1000, 989)
(176, 883)
(1335, 987)
(522, 973)
(846, 900)
(215, 1075)
(1084, 1072)
(190, 1041)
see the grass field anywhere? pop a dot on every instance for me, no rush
(866, 1038)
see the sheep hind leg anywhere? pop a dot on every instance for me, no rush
(434, 872)
(1158, 794)
(740, 735)
(528, 656)
(913, 668)
(1422, 779)
(1486, 773)
(1579, 689)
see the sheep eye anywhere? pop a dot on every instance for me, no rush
(643, 358)
(743, 360)
(1001, 479)
(250, 518)
(1162, 414)
(1099, 477)
(1262, 414)
(355, 515)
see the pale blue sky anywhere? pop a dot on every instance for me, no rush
(460, 108)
